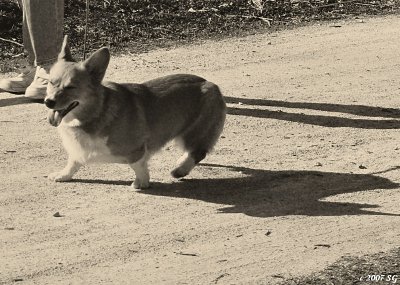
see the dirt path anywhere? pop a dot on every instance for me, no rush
(306, 170)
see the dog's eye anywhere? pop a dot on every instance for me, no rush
(69, 87)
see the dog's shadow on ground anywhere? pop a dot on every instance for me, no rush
(390, 114)
(263, 193)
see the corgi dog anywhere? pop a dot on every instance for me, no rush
(108, 122)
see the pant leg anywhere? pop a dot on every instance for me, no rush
(25, 35)
(43, 23)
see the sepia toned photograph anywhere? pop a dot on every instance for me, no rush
(200, 142)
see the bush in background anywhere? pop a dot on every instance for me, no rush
(139, 25)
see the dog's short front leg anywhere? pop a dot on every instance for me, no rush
(66, 174)
(142, 173)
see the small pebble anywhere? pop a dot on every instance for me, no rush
(57, 215)
(277, 276)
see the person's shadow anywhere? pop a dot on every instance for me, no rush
(319, 120)
(263, 193)
(18, 100)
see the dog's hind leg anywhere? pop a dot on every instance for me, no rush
(187, 162)
(66, 174)
(142, 172)
(200, 137)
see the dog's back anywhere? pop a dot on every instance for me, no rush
(180, 106)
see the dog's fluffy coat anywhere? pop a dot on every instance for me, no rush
(127, 123)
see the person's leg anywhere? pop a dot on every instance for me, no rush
(45, 22)
(26, 37)
(19, 83)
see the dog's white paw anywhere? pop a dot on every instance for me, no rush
(141, 183)
(59, 176)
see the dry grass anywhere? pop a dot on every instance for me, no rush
(384, 266)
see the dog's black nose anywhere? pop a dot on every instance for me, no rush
(50, 103)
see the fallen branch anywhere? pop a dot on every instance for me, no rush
(13, 42)
(219, 277)
(333, 4)
(18, 55)
(365, 4)
(187, 254)
(266, 20)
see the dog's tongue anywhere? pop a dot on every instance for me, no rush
(54, 118)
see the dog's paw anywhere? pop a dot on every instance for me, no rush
(59, 177)
(141, 184)
(179, 172)
(185, 164)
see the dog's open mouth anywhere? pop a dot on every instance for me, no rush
(55, 116)
(65, 111)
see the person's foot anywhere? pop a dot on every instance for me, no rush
(37, 89)
(19, 83)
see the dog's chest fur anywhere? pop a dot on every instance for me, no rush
(86, 148)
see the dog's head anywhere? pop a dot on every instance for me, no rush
(72, 85)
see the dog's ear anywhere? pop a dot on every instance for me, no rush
(65, 53)
(97, 63)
